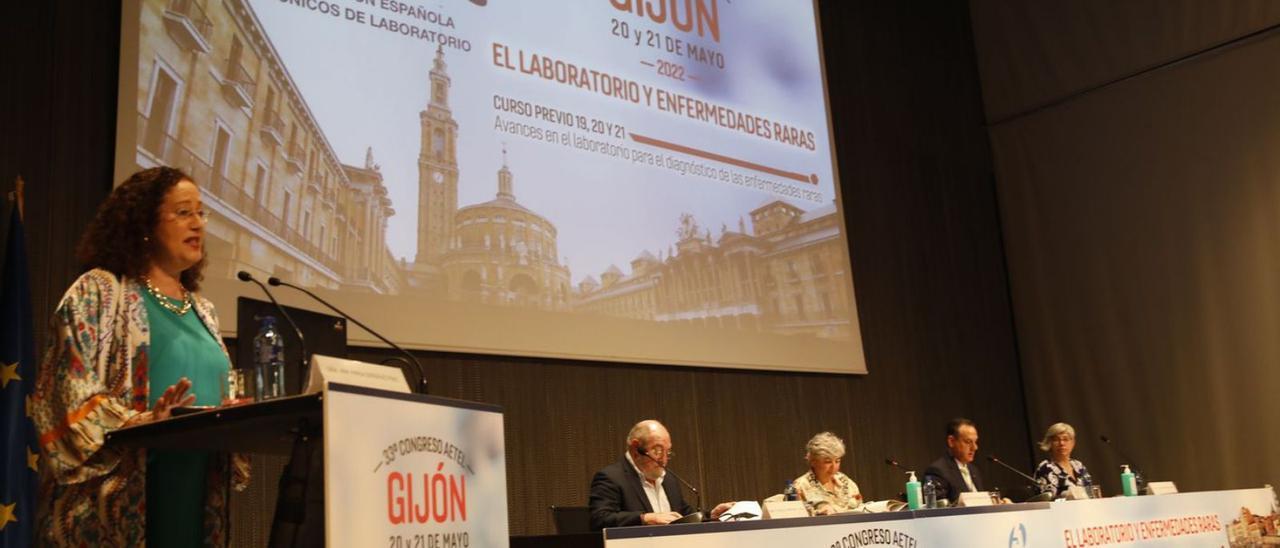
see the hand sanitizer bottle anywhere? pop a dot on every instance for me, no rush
(1128, 482)
(913, 491)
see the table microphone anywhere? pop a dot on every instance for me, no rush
(997, 460)
(1042, 496)
(1132, 463)
(895, 464)
(302, 341)
(698, 510)
(889, 461)
(422, 373)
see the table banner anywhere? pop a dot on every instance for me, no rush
(1246, 517)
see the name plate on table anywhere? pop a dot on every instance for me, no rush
(1076, 492)
(970, 499)
(774, 509)
(1161, 488)
(327, 369)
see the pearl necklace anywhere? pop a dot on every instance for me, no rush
(164, 301)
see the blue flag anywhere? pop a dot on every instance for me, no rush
(17, 380)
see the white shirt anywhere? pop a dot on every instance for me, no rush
(653, 490)
(964, 473)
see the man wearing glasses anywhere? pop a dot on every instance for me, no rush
(635, 490)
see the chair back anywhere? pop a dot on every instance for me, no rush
(571, 519)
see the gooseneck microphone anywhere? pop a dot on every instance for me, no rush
(1020, 473)
(302, 341)
(1041, 495)
(1137, 472)
(927, 479)
(698, 509)
(422, 373)
(894, 463)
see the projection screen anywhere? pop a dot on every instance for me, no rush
(643, 181)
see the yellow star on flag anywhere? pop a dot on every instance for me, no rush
(32, 459)
(6, 514)
(8, 373)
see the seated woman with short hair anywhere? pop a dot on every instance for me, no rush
(823, 488)
(1060, 472)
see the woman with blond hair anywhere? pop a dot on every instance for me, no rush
(1060, 472)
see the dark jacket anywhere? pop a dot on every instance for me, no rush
(617, 497)
(946, 475)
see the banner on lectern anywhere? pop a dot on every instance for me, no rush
(410, 471)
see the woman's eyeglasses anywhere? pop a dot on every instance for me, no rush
(185, 215)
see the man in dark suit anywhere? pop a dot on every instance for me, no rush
(955, 473)
(635, 490)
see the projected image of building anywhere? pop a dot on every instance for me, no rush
(787, 276)
(495, 252)
(503, 253)
(215, 99)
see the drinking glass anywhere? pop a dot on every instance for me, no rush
(235, 387)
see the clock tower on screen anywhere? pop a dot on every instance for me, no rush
(437, 169)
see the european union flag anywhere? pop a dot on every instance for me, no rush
(17, 375)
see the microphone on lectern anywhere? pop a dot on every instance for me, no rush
(422, 373)
(302, 341)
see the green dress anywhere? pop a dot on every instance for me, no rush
(181, 346)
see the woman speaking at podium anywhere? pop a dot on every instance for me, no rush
(129, 341)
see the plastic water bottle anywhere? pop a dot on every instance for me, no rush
(913, 491)
(930, 494)
(789, 493)
(268, 361)
(1128, 482)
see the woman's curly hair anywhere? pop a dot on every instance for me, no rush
(119, 238)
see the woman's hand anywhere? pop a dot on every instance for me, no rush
(240, 471)
(174, 396)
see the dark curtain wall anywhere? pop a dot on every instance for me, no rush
(57, 128)
(927, 263)
(1142, 224)
(1036, 52)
